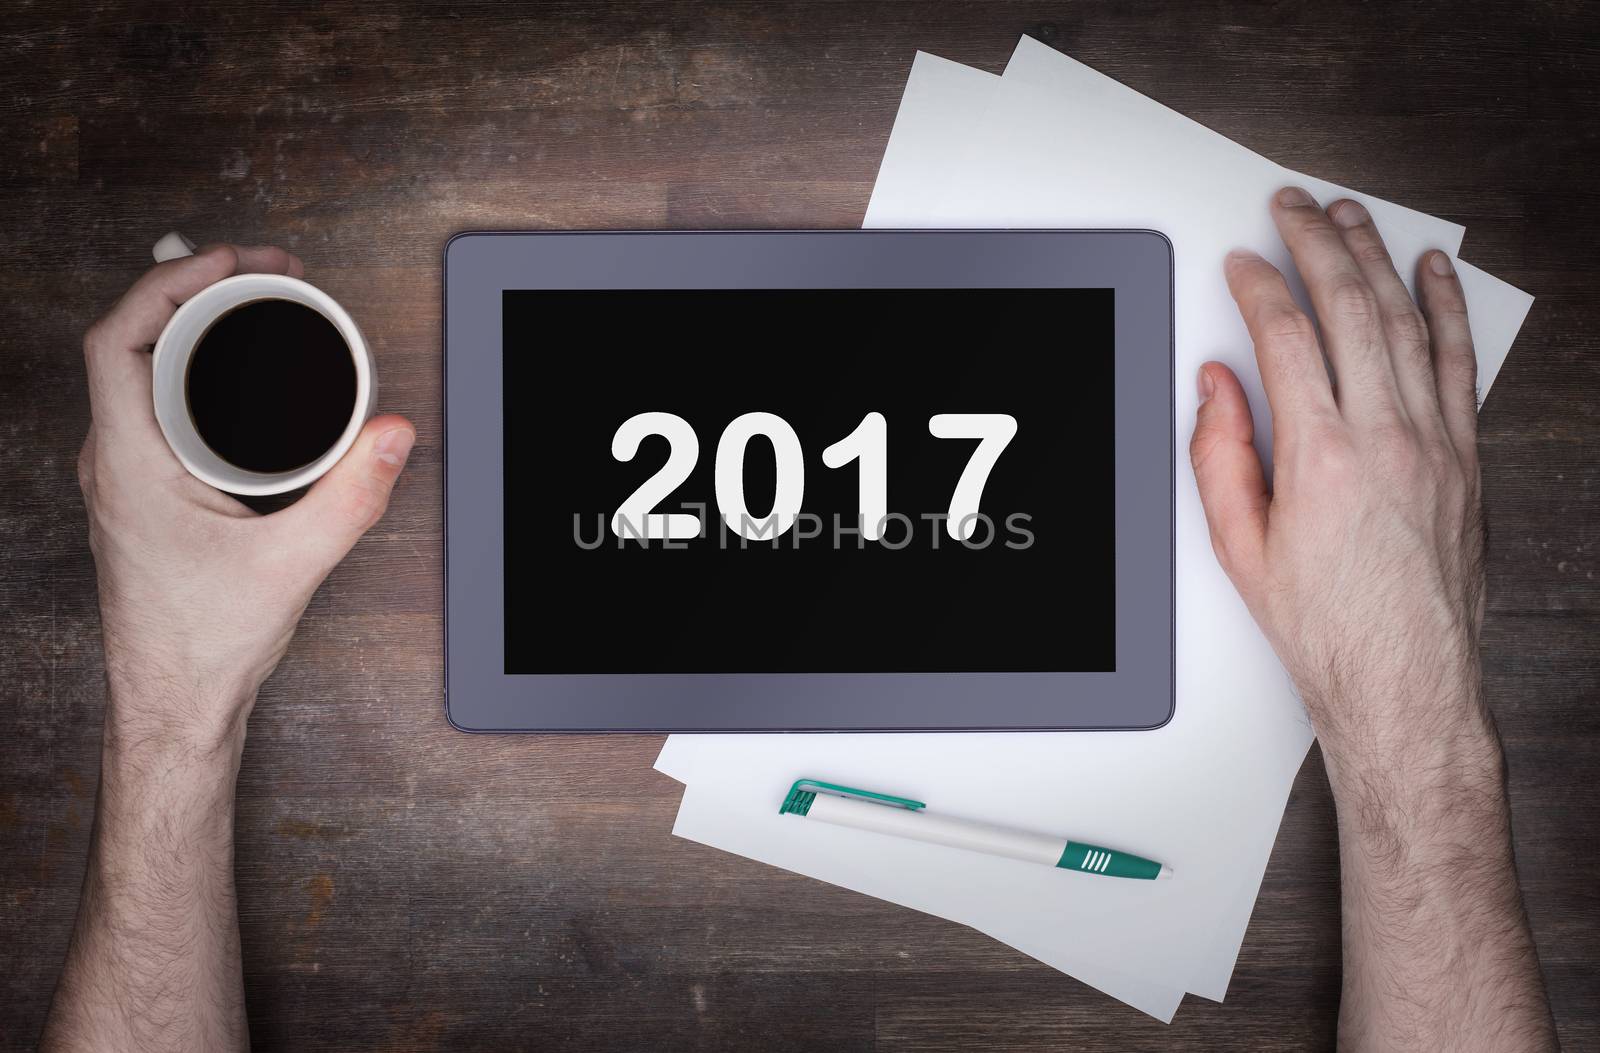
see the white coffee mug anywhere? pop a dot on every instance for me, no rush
(176, 345)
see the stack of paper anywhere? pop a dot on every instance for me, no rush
(1052, 143)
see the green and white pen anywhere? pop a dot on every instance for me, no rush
(901, 817)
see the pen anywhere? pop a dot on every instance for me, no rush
(902, 817)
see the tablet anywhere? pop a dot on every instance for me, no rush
(808, 481)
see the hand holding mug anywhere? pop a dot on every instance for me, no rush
(199, 595)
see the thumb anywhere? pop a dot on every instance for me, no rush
(345, 503)
(1233, 487)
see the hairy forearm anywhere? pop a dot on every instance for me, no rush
(1437, 950)
(154, 960)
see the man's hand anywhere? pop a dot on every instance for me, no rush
(198, 599)
(1363, 564)
(198, 594)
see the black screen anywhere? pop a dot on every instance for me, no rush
(1028, 586)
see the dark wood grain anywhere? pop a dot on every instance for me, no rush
(405, 887)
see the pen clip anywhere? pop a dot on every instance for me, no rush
(804, 791)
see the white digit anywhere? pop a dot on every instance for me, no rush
(869, 444)
(634, 518)
(995, 430)
(791, 464)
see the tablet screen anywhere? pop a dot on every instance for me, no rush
(765, 481)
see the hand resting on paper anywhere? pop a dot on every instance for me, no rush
(1363, 564)
(198, 599)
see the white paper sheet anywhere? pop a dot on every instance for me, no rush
(1125, 938)
(1052, 144)
(938, 116)
(711, 816)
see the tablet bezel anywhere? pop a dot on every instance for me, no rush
(480, 266)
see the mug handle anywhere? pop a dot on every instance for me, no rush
(172, 246)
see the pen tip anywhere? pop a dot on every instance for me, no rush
(1166, 872)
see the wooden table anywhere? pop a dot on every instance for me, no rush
(405, 887)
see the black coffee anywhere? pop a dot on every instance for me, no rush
(271, 386)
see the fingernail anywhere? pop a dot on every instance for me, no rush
(1294, 197)
(1350, 214)
(1241, 256)
(394, 446)
(1204, 384)
(1440, 264)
